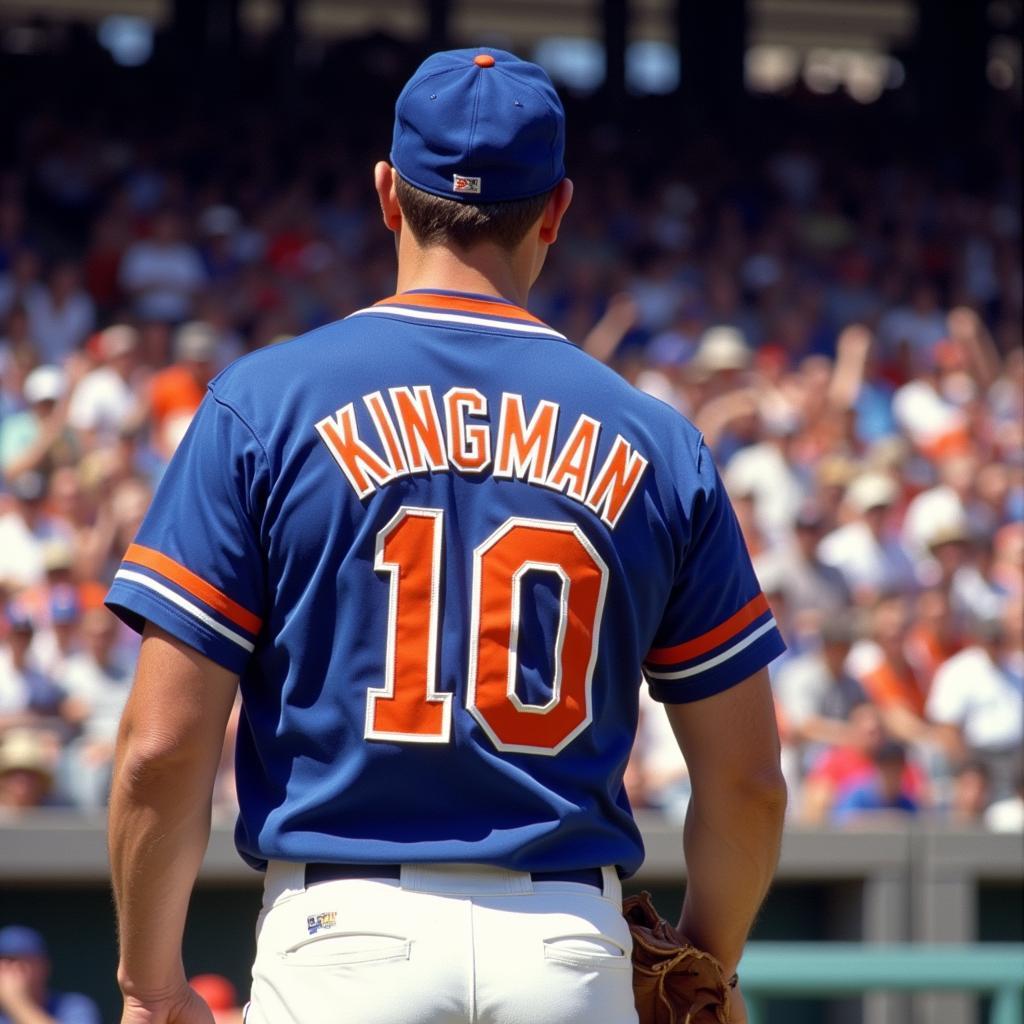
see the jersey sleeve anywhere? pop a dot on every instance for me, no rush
(717, 628)
(196, 568)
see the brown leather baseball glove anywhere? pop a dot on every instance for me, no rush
(673, 981)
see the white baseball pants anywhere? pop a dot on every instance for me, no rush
(447, 944)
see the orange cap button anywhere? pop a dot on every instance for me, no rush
(483, 60)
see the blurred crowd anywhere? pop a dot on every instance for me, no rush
(846, 334)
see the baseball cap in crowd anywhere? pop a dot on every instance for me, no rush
(195, 342)
(44, 384)
(58, 555)
(872, 490)
(17, 941)
(479, 126)
(722, 348)
(26, 750)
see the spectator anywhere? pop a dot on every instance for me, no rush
(977, 698)
(96, 681)
(19, 283)
(24, 529)
(919, 323)
(106, 400)
(163, 273)
(28, 761)
(817, 693)
(61, 315)
(59, 639)
(38, 438)
(891, 680)
(24, 977)
(838, 770)
(971, 794)
(814, 591)
(871, 560)
(881, 795)
(1007, 815)
(175, 393)
(27, 696)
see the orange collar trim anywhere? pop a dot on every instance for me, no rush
(461, 304)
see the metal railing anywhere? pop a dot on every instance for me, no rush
(846, 968)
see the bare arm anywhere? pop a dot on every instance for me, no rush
(733, 825)
(166, 760)
(835, 732)
(617, 321)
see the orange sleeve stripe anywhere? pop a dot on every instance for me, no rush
(458, 304)
(753, 609)
(196, 586)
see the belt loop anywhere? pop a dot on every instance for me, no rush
(283, 878)
(611, 887)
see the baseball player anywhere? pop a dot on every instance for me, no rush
(435, 543)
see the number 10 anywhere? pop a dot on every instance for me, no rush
(408, 708)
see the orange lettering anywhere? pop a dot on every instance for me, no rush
(469, 446)
(386, 428)
(524, 450)
(420, 427)
(361, 464)
(616, 482)
(573, 465)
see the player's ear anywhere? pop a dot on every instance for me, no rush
(384, 183)
(559, 202)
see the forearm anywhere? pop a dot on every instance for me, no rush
(817, 729)
(158, 831)
(732, 848)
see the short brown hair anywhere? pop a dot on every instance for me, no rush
(438, 221)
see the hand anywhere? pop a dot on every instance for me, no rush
(184, 1007)
(963, 322)
(15, 986)
(854, 342)
(622, 312)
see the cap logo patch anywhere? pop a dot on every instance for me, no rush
(468, 186)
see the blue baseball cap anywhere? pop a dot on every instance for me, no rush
(479, 126)
(16, 940)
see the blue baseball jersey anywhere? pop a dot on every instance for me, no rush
(439, 543)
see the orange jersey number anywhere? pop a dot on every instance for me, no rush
(409, 708)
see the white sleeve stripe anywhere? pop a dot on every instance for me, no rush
(460, 318)
(703, 666)
(185, 605)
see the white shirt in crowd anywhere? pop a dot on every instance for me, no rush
(58, 331)
(865, 562)
(1006, 815)
(104, 688)
(762, 470)
(21, 553)
(101, 402)
(165, 277)
(981, 697)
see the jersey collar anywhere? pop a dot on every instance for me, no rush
(461, 302)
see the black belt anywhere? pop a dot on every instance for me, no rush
(332, 872)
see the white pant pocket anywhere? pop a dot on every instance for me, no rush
(590, 949)
(347, 948)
